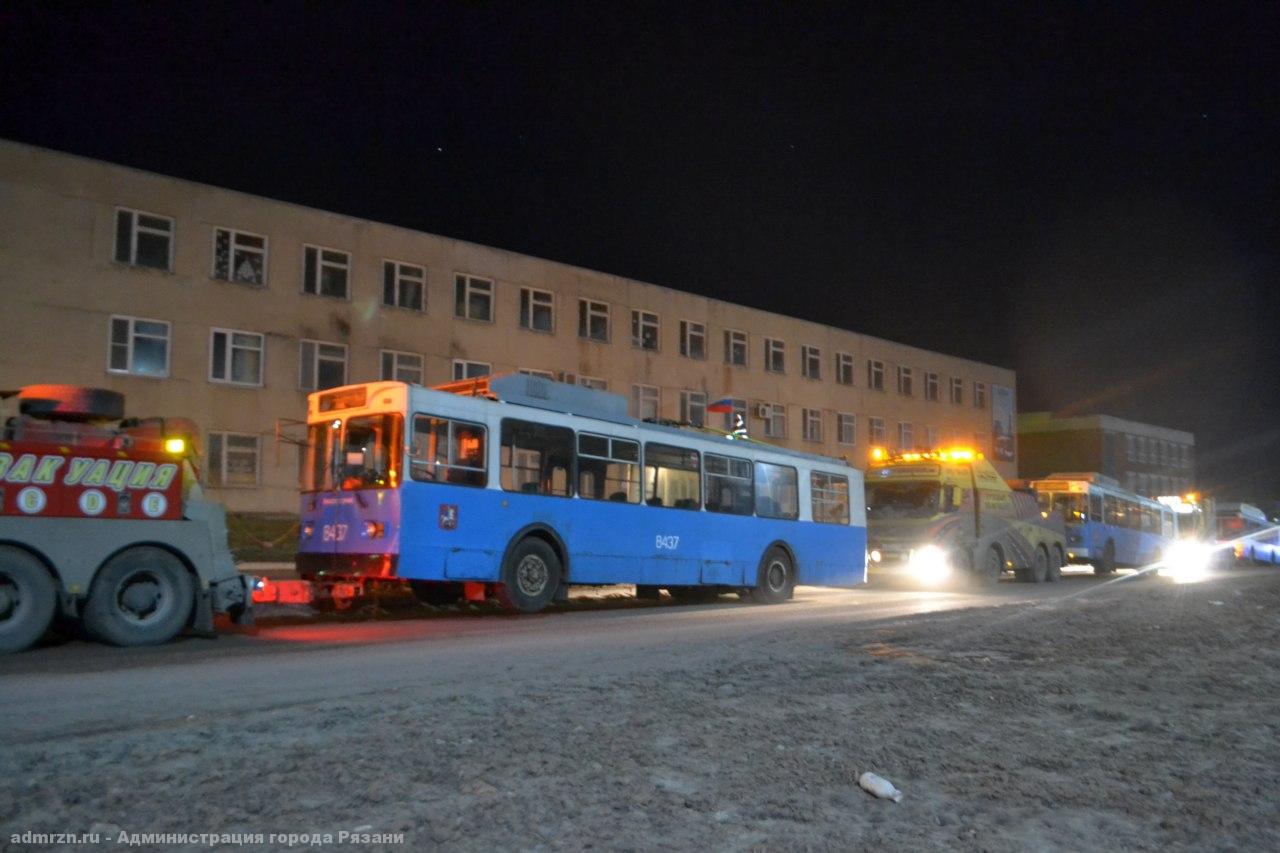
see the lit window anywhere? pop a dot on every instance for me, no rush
(403, 285)
(844, 368)
(775, 356)
(931, 387)
(236, 357)
(644, 330)
(473, 298)
(233, 460)
(239, 256)
(401, 367)
(735, 348)
(693, 407)
(322, 365)
(645, 402)
(593, 321)
(326, 272)
(904, 382)
(139, 346)
(875, 375)
(846, 428)
(463, 369)
(693, 339)
(144, 239)
(775, 421)
(537, 310)
(811, 362)
(812, 420)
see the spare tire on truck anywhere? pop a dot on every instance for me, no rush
(70, 403)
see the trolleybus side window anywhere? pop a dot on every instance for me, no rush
(829, 495)
(447, 451)
(536, 458)
(671, 477)
(1113, 513)
(729, 487)
(370, 452)
(1095, 506)
(777, 491)
(608, 468)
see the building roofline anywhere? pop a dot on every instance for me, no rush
(1035, 422)
(510, 252)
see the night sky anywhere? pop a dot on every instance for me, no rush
(1087, 193)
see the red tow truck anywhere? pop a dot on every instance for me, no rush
(102, 521)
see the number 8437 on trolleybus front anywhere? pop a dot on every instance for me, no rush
(527, 486)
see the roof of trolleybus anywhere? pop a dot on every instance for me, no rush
(556, 402)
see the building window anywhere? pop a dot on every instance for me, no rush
(735, 348)
(846, 428)
(401, 367)
(812, 423)
(645, 402)
(537, 310)
(811, 362)
(905, 382)
(737, 409)
(542, 374)
(693, 339)
(463, 369)
(594, 383)
(139, 346)
(775, 356)
(323, 366)
(403, 285)
(693, 407)
(875, 375)
(906, 436)
(593, 321)
(931, 387)
(931, 438)
(239, 256)
(957, 391)
(473, 298)
(236, 357)
(775, 420)
(233, 460)
(326, 272)
(875, 431)
(144, 239)
(979, 395)
(644, 330)
(844, 368)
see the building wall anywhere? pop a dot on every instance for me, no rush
(62, 286)
(1145, 458)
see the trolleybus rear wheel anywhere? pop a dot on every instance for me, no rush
(140, 597)
(530, 576)
(776, 577)
(28, 599)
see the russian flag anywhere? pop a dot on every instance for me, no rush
(725, 405)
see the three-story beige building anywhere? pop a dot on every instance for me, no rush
(229, 308)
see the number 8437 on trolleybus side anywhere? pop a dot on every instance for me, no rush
(526, 486)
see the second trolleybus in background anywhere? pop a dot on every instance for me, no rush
(1108, 526)
(526, 486)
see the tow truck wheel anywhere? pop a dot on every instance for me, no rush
(1055, 565)
(28, 599)
(140, 597)
(530, 576)
(989, 570)
(1039, 570)
(1106, 565)
(775, 579)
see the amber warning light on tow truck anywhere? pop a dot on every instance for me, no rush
(953, 454)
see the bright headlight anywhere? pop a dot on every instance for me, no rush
(929, 564)
(1188, 562)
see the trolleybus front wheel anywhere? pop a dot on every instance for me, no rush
(140, 597)
(776, 578)
(28, 599)
(530, 576)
